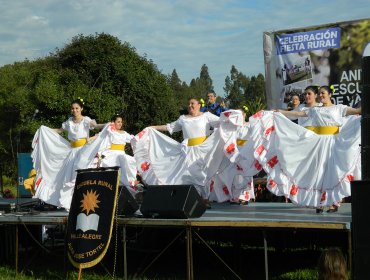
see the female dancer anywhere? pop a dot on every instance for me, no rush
(114, 153)
(310, 100)
(163, 161)
(233, 181)
(54, 157)
(313, 166)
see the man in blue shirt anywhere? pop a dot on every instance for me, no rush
(213, 106)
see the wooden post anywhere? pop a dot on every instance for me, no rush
(79, 273)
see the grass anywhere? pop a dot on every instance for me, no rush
(10, 274)
(244, 255)
(300, 274)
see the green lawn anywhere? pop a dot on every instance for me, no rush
(291, 255)
(10, 274)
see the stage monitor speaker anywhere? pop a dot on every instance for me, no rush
(127, 205)
(172, 202)
(360, 229)
(18, 204)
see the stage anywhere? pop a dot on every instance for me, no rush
(256, 214)
(259, 217)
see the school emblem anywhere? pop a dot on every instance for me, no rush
(91, 216)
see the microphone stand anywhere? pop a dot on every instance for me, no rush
(1, 181)
(17, 193)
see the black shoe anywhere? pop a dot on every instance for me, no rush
(319, 210)
(207, 203)
(243, 202)
(333, 210)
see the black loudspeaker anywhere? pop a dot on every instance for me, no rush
(127, 205)
(365, 120)
(360, 229)
(172, 202)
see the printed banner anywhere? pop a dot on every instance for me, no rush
(322, 55)
(308, 41)
(91, 217)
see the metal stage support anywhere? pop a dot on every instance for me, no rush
(266, 256)
(16, 250)
(189, 229)
(124, 252)
(260, 217)
(189, 253)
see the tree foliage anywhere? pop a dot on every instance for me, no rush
(181, 91)
(235, 85)
(354, 39)
(245, 91)
(111, 78)
(114, 77)
(201, 85)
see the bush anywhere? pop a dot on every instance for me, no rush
(301, 274)
(9, 187)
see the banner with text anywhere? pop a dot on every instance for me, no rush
(322, 55)
(91, 216)
(308, 41)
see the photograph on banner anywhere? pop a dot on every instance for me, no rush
(328, 54)
(295, 68)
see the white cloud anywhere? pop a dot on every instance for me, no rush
(179, 35)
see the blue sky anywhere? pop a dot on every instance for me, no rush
(181, 35)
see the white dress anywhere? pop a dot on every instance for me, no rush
(163, 161)
(310, 169)
(113, 154)
(54, 161)
(306, 121)
(234, 179)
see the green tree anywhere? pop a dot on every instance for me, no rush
(115, 77)
(180, 89)
(241, 90)
(255, 88)
(235, 85)
(110, 76)
(17, 108)
(255, 97)
(354, 38)
(201, 85)
(205, 79)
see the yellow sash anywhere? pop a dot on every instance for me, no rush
(324, 129)
(241, 142)
(78, 143)
(119, 147)
(196, 141)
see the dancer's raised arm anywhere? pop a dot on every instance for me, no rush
(292, 113)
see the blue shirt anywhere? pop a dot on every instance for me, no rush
(215, 109)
